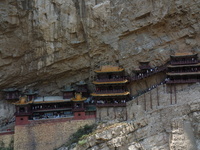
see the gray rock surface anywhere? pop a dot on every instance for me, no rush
(168, 127)
(46, 44)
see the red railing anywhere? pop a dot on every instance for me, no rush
(52, 109)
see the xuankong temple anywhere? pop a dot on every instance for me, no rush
(111, 90)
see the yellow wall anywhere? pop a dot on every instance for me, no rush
(6, 139)
(45, 135)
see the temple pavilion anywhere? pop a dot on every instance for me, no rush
(183, 68)
(12, 94)
(68, 92)
(82, 88)
(110, 87)
(143, 71)
(32, 107)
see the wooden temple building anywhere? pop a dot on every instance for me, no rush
(11, 94)
(143, 71)
(110, 87)
(68, 92)
(82, 88)
(183, 68)
(32, 107)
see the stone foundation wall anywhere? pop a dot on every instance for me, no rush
(46, 135)
(111, 113)
(6, 139)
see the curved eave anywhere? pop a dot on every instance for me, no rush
(186, 73)
(56, 101)
(111, 82)
(184, 55)
(82, 99)
(178, 66)
(111, 94)
(26, 103)
(107, 71)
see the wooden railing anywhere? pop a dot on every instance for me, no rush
(183, 62)
(148, 89)
(112, 105)
(150, 72)
(78, 109)
(184, 71)
(111, 80)
(109, 91)
(183, 81)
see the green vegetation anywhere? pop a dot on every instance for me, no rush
(81, 133)
(10, 147)
(82, 142)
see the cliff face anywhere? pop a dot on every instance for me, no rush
(167, 126)
(46, 44)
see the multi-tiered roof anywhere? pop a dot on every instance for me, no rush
(183, 68)
(110, 86)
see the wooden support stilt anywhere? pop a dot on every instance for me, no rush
(126, 114)
(158, 103)
(99, 114)
(175, 94)
(151, 100)
(171, 94)
(145, 102)
(137, 101)
(114, 112)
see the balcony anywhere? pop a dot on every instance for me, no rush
(183, 81)
(51, 109)
(112, 105)
(183, 62)
(109, 91)
(110, 80)
(78, 109)
(150, 72)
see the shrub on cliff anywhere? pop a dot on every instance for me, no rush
(82, 131)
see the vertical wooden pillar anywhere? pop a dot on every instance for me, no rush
(126, 114)
(99, 114)
(158, 103)
(151, 100)
(145, 102)
(114, 112)
(175, 94)
(171, 94)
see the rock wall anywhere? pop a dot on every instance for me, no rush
(7, 112)
(47, 44)
(46, 135)
(111, 113)
(165, 127)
